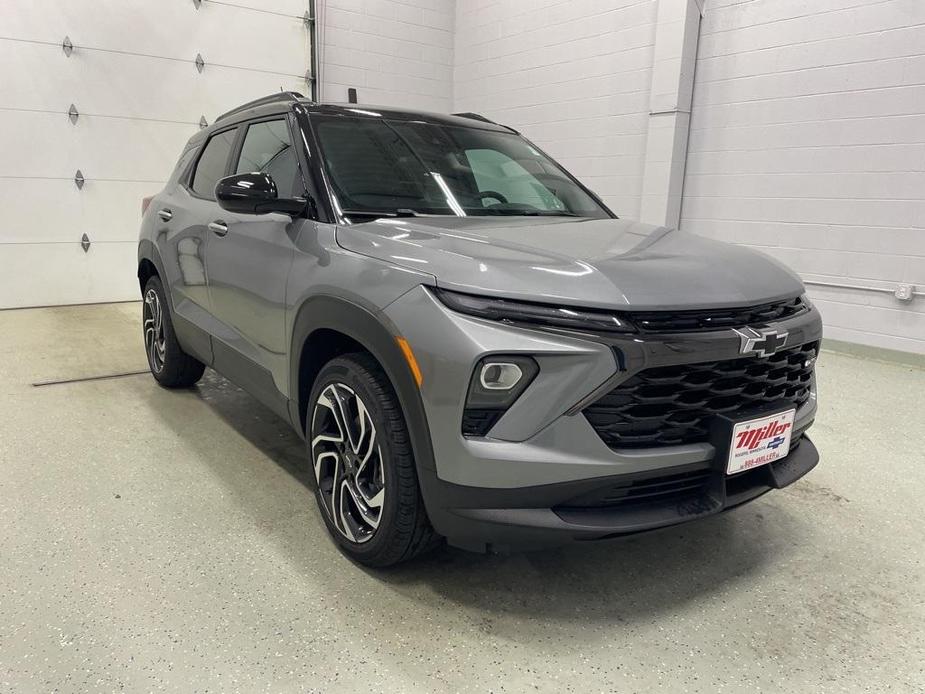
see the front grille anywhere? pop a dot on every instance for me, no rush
(671, 405)
(715, 319)
(650, 491)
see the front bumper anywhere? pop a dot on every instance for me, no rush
(518, 485)
(483, 519)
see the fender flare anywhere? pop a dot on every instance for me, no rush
(377, 335)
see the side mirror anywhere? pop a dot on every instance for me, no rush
(254, 193)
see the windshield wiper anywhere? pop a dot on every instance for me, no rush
(535, 213)
(372, 214)
(400, 212)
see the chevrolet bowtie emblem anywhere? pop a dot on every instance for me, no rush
(762, 341)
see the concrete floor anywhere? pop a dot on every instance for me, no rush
(162, 541)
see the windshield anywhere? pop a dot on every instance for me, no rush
(382, 167)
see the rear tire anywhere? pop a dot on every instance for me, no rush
(366, 481)
(169, 364)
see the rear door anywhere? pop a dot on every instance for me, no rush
(184, 216)
(248, 259)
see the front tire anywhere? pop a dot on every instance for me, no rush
(169, 364)
(366, 481)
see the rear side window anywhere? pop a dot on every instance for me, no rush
(212, 164)
(268, 149)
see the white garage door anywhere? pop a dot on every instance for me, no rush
(133, 79)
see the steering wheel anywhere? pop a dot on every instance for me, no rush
(492, 194)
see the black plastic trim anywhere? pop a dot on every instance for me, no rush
(376, 334)
(250, 376)
(314, 167)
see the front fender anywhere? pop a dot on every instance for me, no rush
(376, 333)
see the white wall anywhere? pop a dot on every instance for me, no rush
(574, 76)
(808, 141)
(394, 52)
(136, 113)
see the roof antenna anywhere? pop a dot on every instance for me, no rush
(351, 95)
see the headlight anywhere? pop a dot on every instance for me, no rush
(511, 311)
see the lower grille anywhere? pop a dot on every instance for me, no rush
(660, 490)
(478, 421)
(672, 405)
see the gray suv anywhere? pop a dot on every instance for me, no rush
(471, 344)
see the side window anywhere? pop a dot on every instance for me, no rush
(268, 149)
(212, 163)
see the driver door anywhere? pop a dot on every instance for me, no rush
(248, 260)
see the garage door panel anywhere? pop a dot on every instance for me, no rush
(221, 33)
(110, 148)
(128, 86)
(111, 210)
(263, 42)
(55, 211)
(134, 82)
(54, 274)
(86, 25)
(292, 7)
(40, 211)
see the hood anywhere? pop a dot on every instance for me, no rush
(603, 263)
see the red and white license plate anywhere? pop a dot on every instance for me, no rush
(760, 441)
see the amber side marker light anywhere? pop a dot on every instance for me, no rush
(409, 357)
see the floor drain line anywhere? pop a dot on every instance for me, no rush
(104, 377)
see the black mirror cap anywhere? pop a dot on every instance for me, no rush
(254, 193)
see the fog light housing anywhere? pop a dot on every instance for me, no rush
(499, 375)
(497, 381)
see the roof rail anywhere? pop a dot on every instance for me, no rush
(271, 99)
(474, 116)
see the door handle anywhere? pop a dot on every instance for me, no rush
(218, 227)
(165, 214)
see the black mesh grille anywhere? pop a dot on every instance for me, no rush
(672, 405)
(715, 319)
(478, 421)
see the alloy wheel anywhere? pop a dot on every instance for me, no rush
(153, 322)
(348, 462)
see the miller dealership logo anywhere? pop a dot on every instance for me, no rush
(764, 341)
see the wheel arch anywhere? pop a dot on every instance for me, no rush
(326, 326)
(149, 264)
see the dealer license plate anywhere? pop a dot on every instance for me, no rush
(757, 442)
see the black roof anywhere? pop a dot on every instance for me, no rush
(283, 101)
(462, 120)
